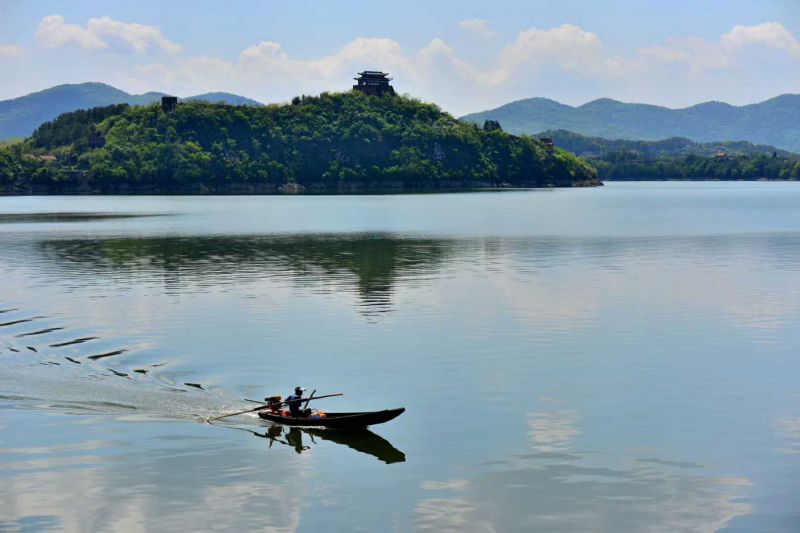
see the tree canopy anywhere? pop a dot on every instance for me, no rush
(629, 165)
(680, 158)
(331, 142)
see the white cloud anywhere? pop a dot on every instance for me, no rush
(54, 32)
(567, 47)
(100, 33)
(269, 58)
(438, 62)
(10, 50)
(697, 55)
(138, 36)
(566, 62)
(437, 65)
(478, 27)
(700, 55)
(266, 65)
(771, 34)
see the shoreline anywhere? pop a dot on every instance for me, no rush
(293, 190)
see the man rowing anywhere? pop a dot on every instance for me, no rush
(295, 401)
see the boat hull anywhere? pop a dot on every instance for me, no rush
(336, 420)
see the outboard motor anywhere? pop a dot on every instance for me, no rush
(273, 403)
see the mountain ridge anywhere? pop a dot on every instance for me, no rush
(20, 116)
(775, 121)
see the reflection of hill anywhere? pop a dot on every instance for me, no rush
(370, 264)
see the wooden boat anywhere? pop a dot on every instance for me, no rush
(335, 420)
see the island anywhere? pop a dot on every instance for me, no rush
(364, 140)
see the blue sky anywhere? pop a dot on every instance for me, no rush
(465, 56)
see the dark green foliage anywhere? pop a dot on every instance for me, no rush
(17, 171)
(679, 158)
(597, 147)
(10, 166)
(775, 121)
(630, 166)
(73, 127)
(332, 142)
(491, 125)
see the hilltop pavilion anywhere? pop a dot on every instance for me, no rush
(373, 83)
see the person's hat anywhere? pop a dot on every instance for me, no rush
(299, 390)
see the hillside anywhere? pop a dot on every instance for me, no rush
(679, 158)
(20, 116)
(773, 122)
(585, 146)
(331, 143)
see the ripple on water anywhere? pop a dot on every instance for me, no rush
(85, 387)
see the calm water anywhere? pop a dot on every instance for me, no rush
(613, 359)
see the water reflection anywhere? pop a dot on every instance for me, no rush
(76, 216)
(371, 265)
(552, 431)
(789, 429)
(541, 493)
(567, 281)
(171, 479)
(557, 488)
(364, 440)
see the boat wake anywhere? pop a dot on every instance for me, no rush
(44, 366)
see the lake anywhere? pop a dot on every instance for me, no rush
(622, 358)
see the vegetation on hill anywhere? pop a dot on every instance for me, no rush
(333, 142)
(679, 158)
(596, 147)
(775, 122)
(20, 116)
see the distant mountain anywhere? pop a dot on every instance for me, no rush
(20, 116)
(223, 98)
(597, 147)
(775, 122)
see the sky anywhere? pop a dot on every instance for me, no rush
(464, 56)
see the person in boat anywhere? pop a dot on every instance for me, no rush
(295, 401)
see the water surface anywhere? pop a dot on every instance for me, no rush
(612, 359)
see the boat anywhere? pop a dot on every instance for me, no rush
(335, 420)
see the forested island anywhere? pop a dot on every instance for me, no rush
(343, 142)
(679, 158)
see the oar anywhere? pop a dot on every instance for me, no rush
(319, 397)
(264, 406)
(309, 399)
(237, 413)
